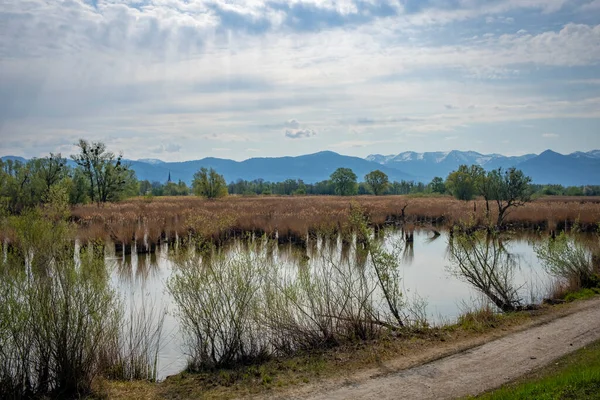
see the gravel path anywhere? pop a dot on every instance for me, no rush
(481, 368)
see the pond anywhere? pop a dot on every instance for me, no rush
(428, 281)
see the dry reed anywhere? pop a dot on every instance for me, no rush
(295, 217)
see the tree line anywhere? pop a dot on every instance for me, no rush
(100, 176)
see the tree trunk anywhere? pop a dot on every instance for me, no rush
(501, 304)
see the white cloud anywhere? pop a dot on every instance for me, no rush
(299, 133)
(166, 148)
(550, 135)
(232, 72)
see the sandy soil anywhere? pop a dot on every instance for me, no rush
(467, 368)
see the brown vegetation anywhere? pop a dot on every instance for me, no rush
(295, 217)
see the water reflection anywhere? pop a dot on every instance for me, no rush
(425, 271)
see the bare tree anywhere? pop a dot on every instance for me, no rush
(482, 261)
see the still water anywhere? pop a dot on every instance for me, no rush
(427, 279)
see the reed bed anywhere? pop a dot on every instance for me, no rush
(295, 217)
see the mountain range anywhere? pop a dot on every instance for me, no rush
(573, 169)
(576, 169)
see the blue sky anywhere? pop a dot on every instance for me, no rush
(185, 79)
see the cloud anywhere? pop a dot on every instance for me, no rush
(592, 6)
(292, 123)
(225, 137)
(366, 121)
(299, 133)
(230, 73)
(550, 135)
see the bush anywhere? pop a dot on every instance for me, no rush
(569, 260)
(57, 312)
(217, 302)
(246, 307)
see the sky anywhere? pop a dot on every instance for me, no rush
(187, 79)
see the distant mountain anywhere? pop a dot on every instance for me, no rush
(578, 168)
(589, 154)
(14, 158)
(310, 168)
(152, 161)
(594, 153)
(426, 166)
(568, 170)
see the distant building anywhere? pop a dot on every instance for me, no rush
(169, 178)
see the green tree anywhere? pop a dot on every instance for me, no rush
(208, 183)
(79, 187)
(301, 189)
(109, 178)
(364, 188)
(512, 191)
(461, 183)
(574, 191)
(344, 182)
(50, 170)
(175, 189)
(25, 185)
(377, 181)
(486, 185)
(145, 187)
(437, 185)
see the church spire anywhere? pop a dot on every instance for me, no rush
(169, 179)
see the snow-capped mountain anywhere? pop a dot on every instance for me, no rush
(151, 161)
(589, 154)
(426, 166)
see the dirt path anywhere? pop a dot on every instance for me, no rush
(475, 370)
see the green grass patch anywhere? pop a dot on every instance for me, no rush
(576, 376)
(582, 294)
(479, 320)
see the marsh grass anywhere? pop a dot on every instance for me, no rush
(298, 216)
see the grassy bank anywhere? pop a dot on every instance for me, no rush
(576, 376)
(335, 366)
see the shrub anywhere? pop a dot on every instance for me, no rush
(57, 313)
(217, 302)
(247, 307)
(569, 260)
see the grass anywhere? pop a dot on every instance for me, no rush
(575, 376)
(480, 320)
(297, 216)
(582, 294)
